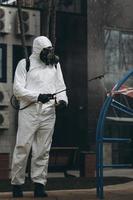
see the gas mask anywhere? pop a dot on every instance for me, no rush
(48, 57)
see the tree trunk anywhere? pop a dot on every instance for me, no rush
(53, 22)
(22, 29)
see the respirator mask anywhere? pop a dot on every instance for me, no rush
(48, 57)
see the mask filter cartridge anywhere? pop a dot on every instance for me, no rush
(48, 57)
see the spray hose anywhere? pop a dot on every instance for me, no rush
(15, 103)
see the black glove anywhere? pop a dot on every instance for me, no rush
(44, 98)
(61, 105)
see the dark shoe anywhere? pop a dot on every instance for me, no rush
(39, 190)
(17, 191)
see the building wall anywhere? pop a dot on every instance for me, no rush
(9, 39)
(95, 66)
(102, 15)
(71, 127)
(26, 3)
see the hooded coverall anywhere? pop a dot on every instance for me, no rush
(36, 122)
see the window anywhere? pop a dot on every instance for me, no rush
(118, 55)
(3, 66)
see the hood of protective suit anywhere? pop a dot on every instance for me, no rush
(39, 43)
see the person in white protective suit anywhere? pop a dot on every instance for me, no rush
(36, 122)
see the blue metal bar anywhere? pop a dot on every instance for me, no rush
(118, 166)
(124, 79)
(116, 140)
(99, 168)
(122, 107)
(99, 136)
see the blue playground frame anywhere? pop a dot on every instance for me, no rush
(100, 139)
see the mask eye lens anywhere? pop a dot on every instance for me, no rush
(47, 50)
(50, 49)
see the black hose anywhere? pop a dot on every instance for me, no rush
(16, 105)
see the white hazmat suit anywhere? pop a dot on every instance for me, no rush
(36, 122)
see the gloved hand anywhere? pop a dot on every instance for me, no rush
(44, 98)
(61, 105)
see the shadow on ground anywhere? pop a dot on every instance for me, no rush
(67, 183)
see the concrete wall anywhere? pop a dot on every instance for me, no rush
(95, 60)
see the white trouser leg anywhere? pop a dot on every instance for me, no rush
(25, 135)
(41, 147)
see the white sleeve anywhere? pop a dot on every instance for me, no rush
(60, 85)
(19, 86)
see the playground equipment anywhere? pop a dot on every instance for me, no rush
(116, 110)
